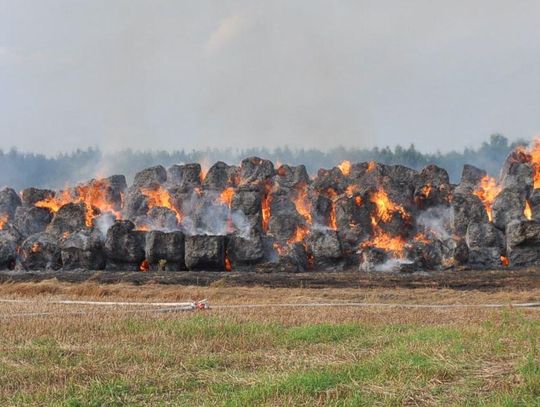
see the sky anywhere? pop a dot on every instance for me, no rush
(303, 73)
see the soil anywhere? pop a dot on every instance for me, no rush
(483, 280)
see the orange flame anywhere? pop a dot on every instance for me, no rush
(487, 192)
(371, 166)
(36, 247)
(265, 208)
(160, 197)
(345, 167)
(534, 152)
(504, 261)
(302, 204)
(228, 266)
(3, 220)
(527, 212)
(332, 194)
(226, 196)
(385, 208)
(144, 266)
(350, 190)
(387, 242)
(56, 202)
(299, 235)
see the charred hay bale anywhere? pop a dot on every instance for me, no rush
(290, 258)
(221, 176)
(398, 182)
(320, 207)
(184, 177)
(255, 170)
(135, 205)
(284, 218)
(516, 173)
(467, 208)
(470, 179)
(40, 251)
(70, 218)
(324, 248)
(8, 250)
(9, 201)
(248, 201)
(124, 246)
(330, 180)
(83, 250)
(165, 250)
(486, 245)
(484, 235)
(290, 177)
(30, 196)
(244, 252)
(30, 220)
(432, 187)
(150, 177)
(425, 255)
(484, 257)
(353, 212)
(507, 206)
(523, 242)
(205, 252)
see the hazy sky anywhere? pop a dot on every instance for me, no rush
(190, 74)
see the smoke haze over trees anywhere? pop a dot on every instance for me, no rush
(20, 170)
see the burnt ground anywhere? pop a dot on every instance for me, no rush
(484, 280)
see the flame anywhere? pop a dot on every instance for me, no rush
(299, 235)
(487, 192)
(533, 153)
(56, 202)
(144, 266)
(228, 266)
(385, 208)
(345, 167)
(332, 194)
(226, 196)
(36, 247)
(371, 166)
(527, 212)
(93, 195)
(387, 242)
(504, 261)
(160, 197)
(3, 220)
(358, 200)
(265, 208)
(302, 203)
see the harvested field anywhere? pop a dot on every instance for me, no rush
(62, 354)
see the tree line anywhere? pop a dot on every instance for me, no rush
(20, 170)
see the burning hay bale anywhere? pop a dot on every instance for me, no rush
(253, 217)
(40, 252)
(124, 246)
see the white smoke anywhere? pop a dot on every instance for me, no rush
(437, 222)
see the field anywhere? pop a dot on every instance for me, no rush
(88, 355)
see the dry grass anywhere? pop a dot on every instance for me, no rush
(266, 356)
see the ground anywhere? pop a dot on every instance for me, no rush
(378, 354)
